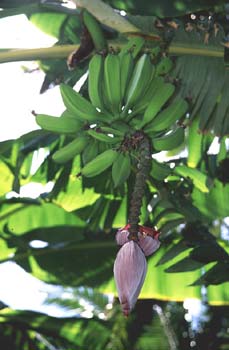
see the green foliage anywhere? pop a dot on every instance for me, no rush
(179, 103)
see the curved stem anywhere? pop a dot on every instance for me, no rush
(58, 51)
(139, 186)
(63, 51)
(198, 50)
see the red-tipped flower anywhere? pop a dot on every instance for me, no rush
(147, 238)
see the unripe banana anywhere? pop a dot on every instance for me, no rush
(90, 151)
(68, 114)
(117, 132)
(170, 141)
(155, 84)
(139, 82)
(94, 81)
(121, 169)
(112, 79)
(158, 100)
(95, 31)
(121, 125)
(159, 171)
(79, 106)
(126, 70)
(168, 116)
(164, 66)
(59, 125)
(103, 137)
(69, 151)
(100, 163)
(134, 46)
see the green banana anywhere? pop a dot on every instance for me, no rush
(94, 81)
(90, 151)
(195, 144)
(121, 169)
(95, 31)
(159, 171)
(103, 137)
(158, 100)
(79, 106)
(67, 114)
(170, 141)
(164, 66)
(155, 85)
(59, 125)
(120, 125)
(126, 70)
(139, 82)
(168, 116)
(134, 46)
(112, 79)
(100, 163)
(69, 151)
(117, 132)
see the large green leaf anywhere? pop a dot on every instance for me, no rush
(13, 8)
(164, 8)
(62, 330)
(5, 251)
(59, 25)
(74, 196)
(76, 263)
(213, 204)
(50, 23)
(216, 274)
(185, 265)
(175, 286)
(207, 88)
(7, 177)
(218, 295)
(16, 3)
(69, 260)
(200, 180)
(21, 218)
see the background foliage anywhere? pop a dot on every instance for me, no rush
(187, 196)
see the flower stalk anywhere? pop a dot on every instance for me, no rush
(137, 241)
(139, 186)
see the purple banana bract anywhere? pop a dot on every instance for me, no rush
(129, 273)
(148, 243)
(130, 264)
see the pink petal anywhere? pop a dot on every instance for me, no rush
(122, 237)
(129, 273)
(148, 244)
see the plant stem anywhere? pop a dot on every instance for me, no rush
(139, 186)
(58, 51)
(169, 332)
(63, 51)
(176, 49)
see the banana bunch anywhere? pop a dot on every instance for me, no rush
(127, 94)
(127, 87)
